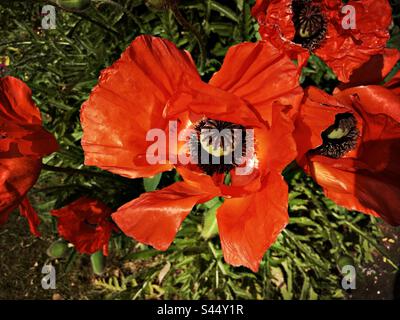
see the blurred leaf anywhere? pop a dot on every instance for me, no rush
(210, 225)
(98, 262)
(151, 184)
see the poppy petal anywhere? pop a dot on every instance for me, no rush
(4, 214)
(280, 146)
(249, 225)
(261, 75)
(358, 190)
(353, 182)
(17, 176)
(198, 180)
(30, 214)
(21, 131)
(16, 104)
(259, 7)
(346, 51)
(277, 27)
(394, 84)
(317, 113)
(129, 101)
(342, 49)
(380, 136)
(374, 70)
(155, 217)
(373, 99)
(274, 149)
(21, 141)
(84, 223)
(198, 96)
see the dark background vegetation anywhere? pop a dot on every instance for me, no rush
(62, 66)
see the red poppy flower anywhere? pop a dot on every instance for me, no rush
(85, 223)
(374, 71)
(153, 83)
(302, 26)
(23, 142)
(259, 7)
(394, 84)
(354, 138)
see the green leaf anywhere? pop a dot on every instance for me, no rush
(74, 4)
(145, 254)
(98, 262)
(57, 249)
(287, 290)
(305, 289)
(210, 225)
(224, 11)
(151, 184)
(212, 203)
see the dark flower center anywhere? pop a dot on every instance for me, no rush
(310, 24)
(340, 138)
(218, 146)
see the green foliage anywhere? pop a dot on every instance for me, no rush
(63, 65)
(317, 73)
(304, 263)
(151, 184)
(210, 226)
(98, 262)
(57, 249)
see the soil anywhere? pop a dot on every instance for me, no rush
(22, 257)
(380, 281)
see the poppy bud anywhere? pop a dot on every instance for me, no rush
(345, 261)
(57, 249)
(98, 262)
(74, 5)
